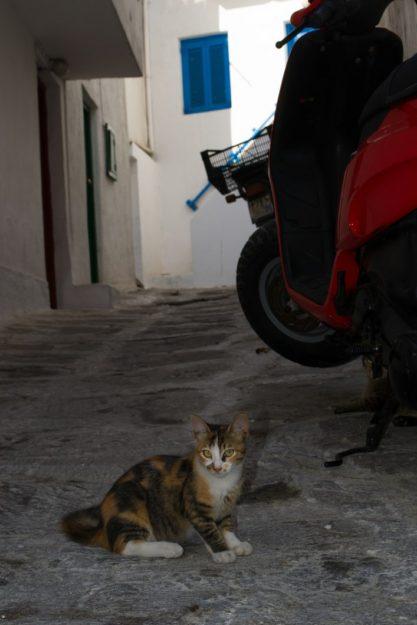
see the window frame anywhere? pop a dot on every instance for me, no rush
(204, 42)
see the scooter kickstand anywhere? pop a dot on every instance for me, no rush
(376, 431)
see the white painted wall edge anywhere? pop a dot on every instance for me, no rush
(21, 293)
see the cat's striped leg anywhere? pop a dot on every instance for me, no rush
(213, 538)
(233, 543)
(128, 538)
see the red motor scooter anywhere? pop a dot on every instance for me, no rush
(335, 276)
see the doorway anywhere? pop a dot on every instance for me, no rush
(48, 222)
(91, 211)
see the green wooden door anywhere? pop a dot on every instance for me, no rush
(91, 212)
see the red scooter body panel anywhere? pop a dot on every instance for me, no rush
(379, 189)
(345, 261)
(380, 184)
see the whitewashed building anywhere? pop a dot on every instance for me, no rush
(226, 43)
(65, 204)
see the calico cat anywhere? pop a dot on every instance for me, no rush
(157, 502)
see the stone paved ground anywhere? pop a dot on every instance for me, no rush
(85, 395)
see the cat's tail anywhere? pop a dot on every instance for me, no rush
(82, 525)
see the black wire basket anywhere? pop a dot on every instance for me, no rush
(228, 170)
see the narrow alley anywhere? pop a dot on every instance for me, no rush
(84, 395)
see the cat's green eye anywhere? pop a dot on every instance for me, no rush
(206, 453)
(229, 453)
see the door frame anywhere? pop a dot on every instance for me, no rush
(90, 191)
(47, 205)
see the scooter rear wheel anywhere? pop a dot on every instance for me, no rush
(276, 319)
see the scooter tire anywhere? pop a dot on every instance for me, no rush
(262, 295)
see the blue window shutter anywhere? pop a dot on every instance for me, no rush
(196, 74)
(206, 74)
(219, 74)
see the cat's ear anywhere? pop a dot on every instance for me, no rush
(240, 424)
(200, 427)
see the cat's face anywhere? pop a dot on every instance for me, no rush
(220, 448)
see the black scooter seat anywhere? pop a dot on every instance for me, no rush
(400, 85)
(326, 85)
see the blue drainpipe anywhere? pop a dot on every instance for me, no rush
(193, 202)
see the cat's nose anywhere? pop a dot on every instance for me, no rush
(217, 469)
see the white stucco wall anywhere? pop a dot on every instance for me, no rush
(130, 13)
(22, 267)
(136, 103)
(23, 284)
(112, 198)
(147, 227)
(401, 17)
(202, 248)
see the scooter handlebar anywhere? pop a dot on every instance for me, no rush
(290, 37)
(299, 20)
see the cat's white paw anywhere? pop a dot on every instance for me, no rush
(223, 557)
(243, 549)
(240, 548)
(153, 549)
(172, 550)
